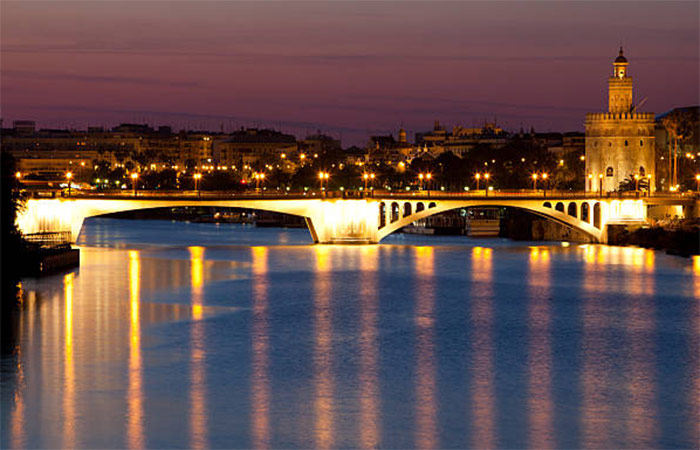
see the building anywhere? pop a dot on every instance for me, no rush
(252, 146)
(620, 142)
(461, 140)
(319, 144)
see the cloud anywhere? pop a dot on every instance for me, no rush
(56, 76)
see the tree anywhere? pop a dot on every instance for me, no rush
(629, 184)
(680, 124)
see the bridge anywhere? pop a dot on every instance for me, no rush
(351, 218)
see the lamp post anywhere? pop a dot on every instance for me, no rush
(428, 177)
(69, 176)
(259, 178)
(697, 180)
(648, 185)
(534, 182)
(600, 184)
(544, 184)
(323, 176)
(486, 178)
(134, 177)
(478, 177)
(590, 181)
(366, 177)
(197, 177)
(18, 174)
(636, 182)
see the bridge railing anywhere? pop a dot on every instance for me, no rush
(357, 194)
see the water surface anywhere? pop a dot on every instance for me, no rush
(197, 335)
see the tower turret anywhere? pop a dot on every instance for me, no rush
(620, 87)
(402, 136)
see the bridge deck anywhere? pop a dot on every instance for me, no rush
(376, 195)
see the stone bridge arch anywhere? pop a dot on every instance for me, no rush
(545, 209)
(325, 219)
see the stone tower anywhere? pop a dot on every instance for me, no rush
(620, 142)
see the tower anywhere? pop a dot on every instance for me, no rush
(620, 87)
(402, 136)
(620, 142)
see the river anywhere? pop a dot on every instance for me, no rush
(174, 335)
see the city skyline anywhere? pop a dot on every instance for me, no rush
(347, 69)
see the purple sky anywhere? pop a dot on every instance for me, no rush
(350, 69)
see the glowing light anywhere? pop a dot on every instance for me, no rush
(426, 407)
(135, 433)
(260, 381)
(198, 405)
(69, 426)
(482, 385)
(369, 350)
(323, 355)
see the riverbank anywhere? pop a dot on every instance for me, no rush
(682, 242)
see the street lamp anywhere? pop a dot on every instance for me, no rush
(428, 177)
(197, 177)
(486, 177)
(600, 183)
(367, 177)
(534, 182)
(69, 175)
(544, 184)
(18, 174)
(697, 179)
(323, 176)
(134, 177)
(648, 185)
(636, 182)
(421, 176)
(478, 177)
(259, 177)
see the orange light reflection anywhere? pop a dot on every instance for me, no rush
(482, 349)
(198, 402)
(595, 371)
(426, 409)
(134, 432)
(641, 410)
(69, 366)
(260, 388)
(17, 419)
(369, 384)
(323, 358)
(541, 433)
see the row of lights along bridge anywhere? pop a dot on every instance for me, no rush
(368, 178)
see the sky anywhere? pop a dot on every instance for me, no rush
(348, 69)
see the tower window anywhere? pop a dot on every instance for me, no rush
(641, 143)
(609, 172)
(609, 144)
(641, 171)
(626, 143)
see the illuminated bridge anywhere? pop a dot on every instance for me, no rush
(344, 218)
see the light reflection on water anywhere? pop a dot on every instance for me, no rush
(270, 346)
(482, 414)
